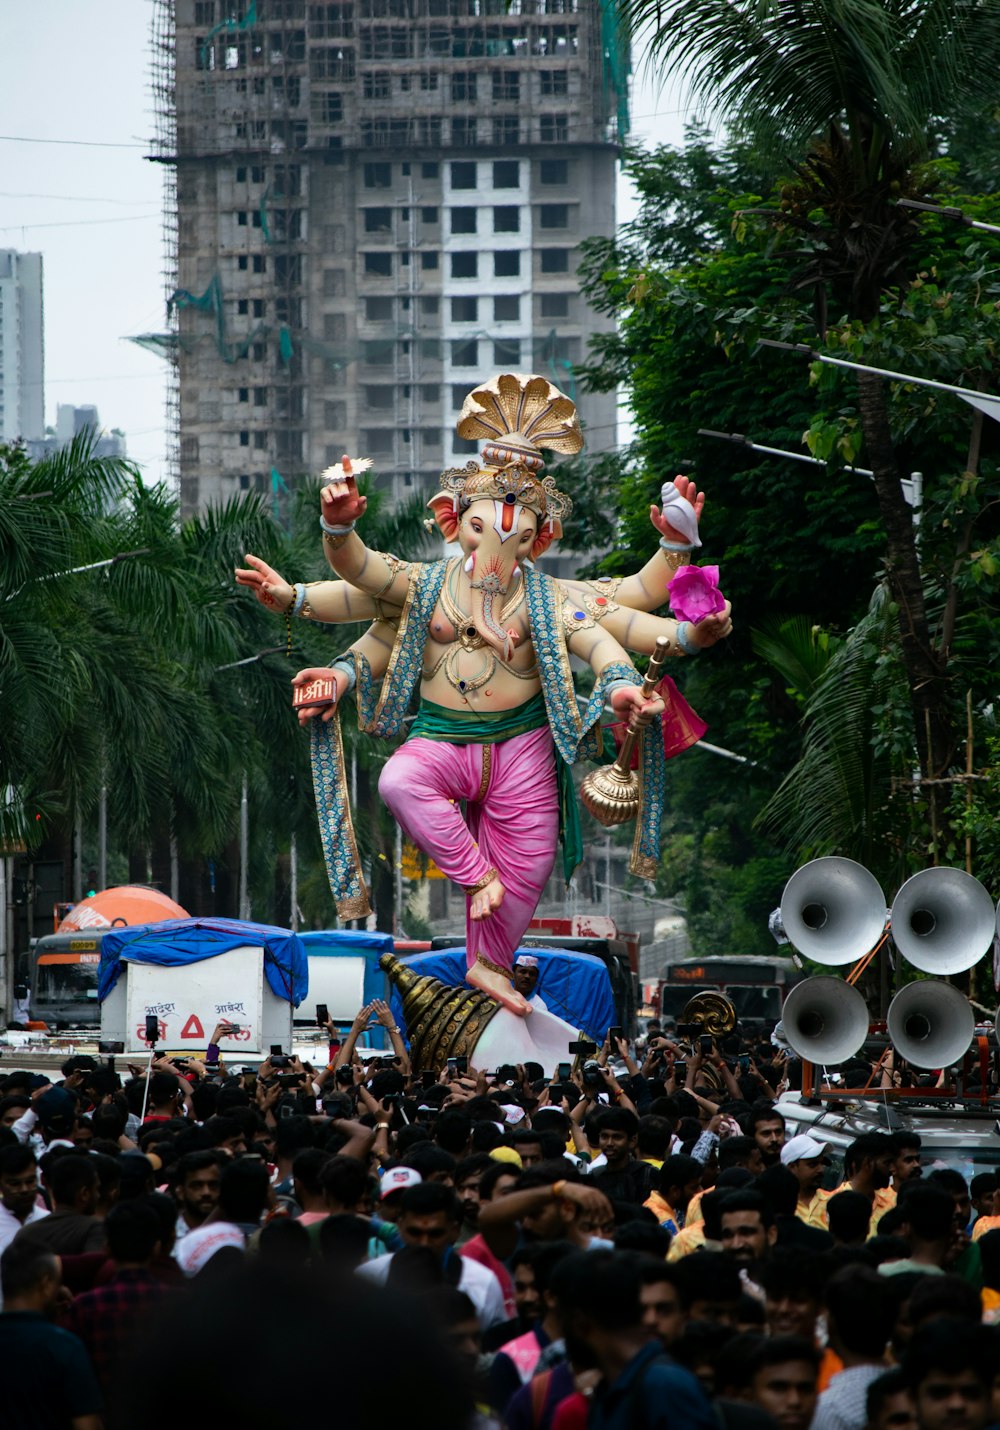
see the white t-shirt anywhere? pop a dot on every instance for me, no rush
(478, 1283)
(200, 1245)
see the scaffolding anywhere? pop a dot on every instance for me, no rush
(163, 41)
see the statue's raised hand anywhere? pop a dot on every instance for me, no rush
(713, 628)
(268, 585)
(681, 513)
(340, 501)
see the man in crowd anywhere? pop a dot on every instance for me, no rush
(19, 1199)
(767, 1127)
(859, 1309)
(623, 1178)
(805, 1158)
(73, 1185)
(868, 1170)
(679, 1181)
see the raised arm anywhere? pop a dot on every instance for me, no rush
(334, 603)
(341, 506)
(677, 524)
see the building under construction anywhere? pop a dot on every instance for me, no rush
(372, 205)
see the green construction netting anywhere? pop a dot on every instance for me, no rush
(617, 50)
(232, 23)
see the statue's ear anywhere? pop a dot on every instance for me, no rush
(545, 538)
(443, 507)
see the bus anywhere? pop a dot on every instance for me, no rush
(63, 979)
(756, 987)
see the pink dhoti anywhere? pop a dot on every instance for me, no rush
(511, 825)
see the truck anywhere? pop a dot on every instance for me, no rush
(190, 974)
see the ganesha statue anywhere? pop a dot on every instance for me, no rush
(486, 637)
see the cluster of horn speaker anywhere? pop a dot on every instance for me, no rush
(942, 922)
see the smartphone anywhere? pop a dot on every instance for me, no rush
(565, 1072)
(453, 1064)
(462, 1065)
(152, 1028)
(275, 1048)
(322, 1015)
(287, 1110)
(613, 1035)
(706, 1044)
(507, 1073)
(111, 1048)
(278, 1060)
(744, 1062)
(345, 1076)
(428, 1077)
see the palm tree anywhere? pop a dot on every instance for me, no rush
(844, 92)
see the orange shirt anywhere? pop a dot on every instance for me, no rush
(983, 1224)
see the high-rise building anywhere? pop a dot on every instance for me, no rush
(22, 346)
(378, 204)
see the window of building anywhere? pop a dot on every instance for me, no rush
(555, 260)
(554, 82)
(430, 392)
(506, 86)
(378, 176)
(459, 392)
(241, 218)
(328, 107)
(464, 131)
(242, 307)
(463, 175)
(506, 129)
(333, 283)
(553, 216)
(555, 305)
(334, 327)
(260, 441)
(204, 12)
(463, 220)
(259, 307)
(506, 219)
(553, 172)
(465, 353)
(378, 310)
(244, 481)
(428, 80)
(378, 220)
(507, 308)
(378, 352)
(463, 88)
(464, 310)
(334, 415)
(506, 351)
(429, 171)
(243, 394)
(242, 263)
(464, 265)
(376, 85)
(428, 215)
(378, 264)
(259, 263)
(465, 444)
(553, 129)
(380, 399)
(429, 305)
(241, 173)
(244, 439)
(506, 263)
(260, 397)
(430, 436)
(377, 440)
(506, 174)
(429, 260)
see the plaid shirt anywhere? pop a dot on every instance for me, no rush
(108, 1316)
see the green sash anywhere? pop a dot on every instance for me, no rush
(470, 727)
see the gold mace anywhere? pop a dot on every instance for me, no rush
(611, 793)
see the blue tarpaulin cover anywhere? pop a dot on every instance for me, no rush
(574, 986)
(180, 941)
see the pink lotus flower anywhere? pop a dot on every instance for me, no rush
(694, 593)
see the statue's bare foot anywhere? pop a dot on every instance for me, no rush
(497, 986)
(486, 901)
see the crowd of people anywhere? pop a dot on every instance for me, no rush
(637, 1241)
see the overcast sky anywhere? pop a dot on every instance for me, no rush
(81, 72)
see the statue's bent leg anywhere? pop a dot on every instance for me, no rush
(516, 821)
(422, 783)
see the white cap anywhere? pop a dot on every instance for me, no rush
(802, 1148)
(525, 960)
(399, 1179)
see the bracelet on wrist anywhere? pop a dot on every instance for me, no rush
(298, 600)
(684, 640)
(336, 530)
(680, 546)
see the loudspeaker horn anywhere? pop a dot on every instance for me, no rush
(825, 1020)
(833, 910)
(930, 1024)
(943, 921)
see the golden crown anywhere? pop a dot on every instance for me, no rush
(516, 415)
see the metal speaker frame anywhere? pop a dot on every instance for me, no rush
(943, 921)
(833, 910)
(931, 1024)
(824, 1019)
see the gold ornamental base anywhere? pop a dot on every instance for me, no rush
(442, 1022)
(611, 795)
